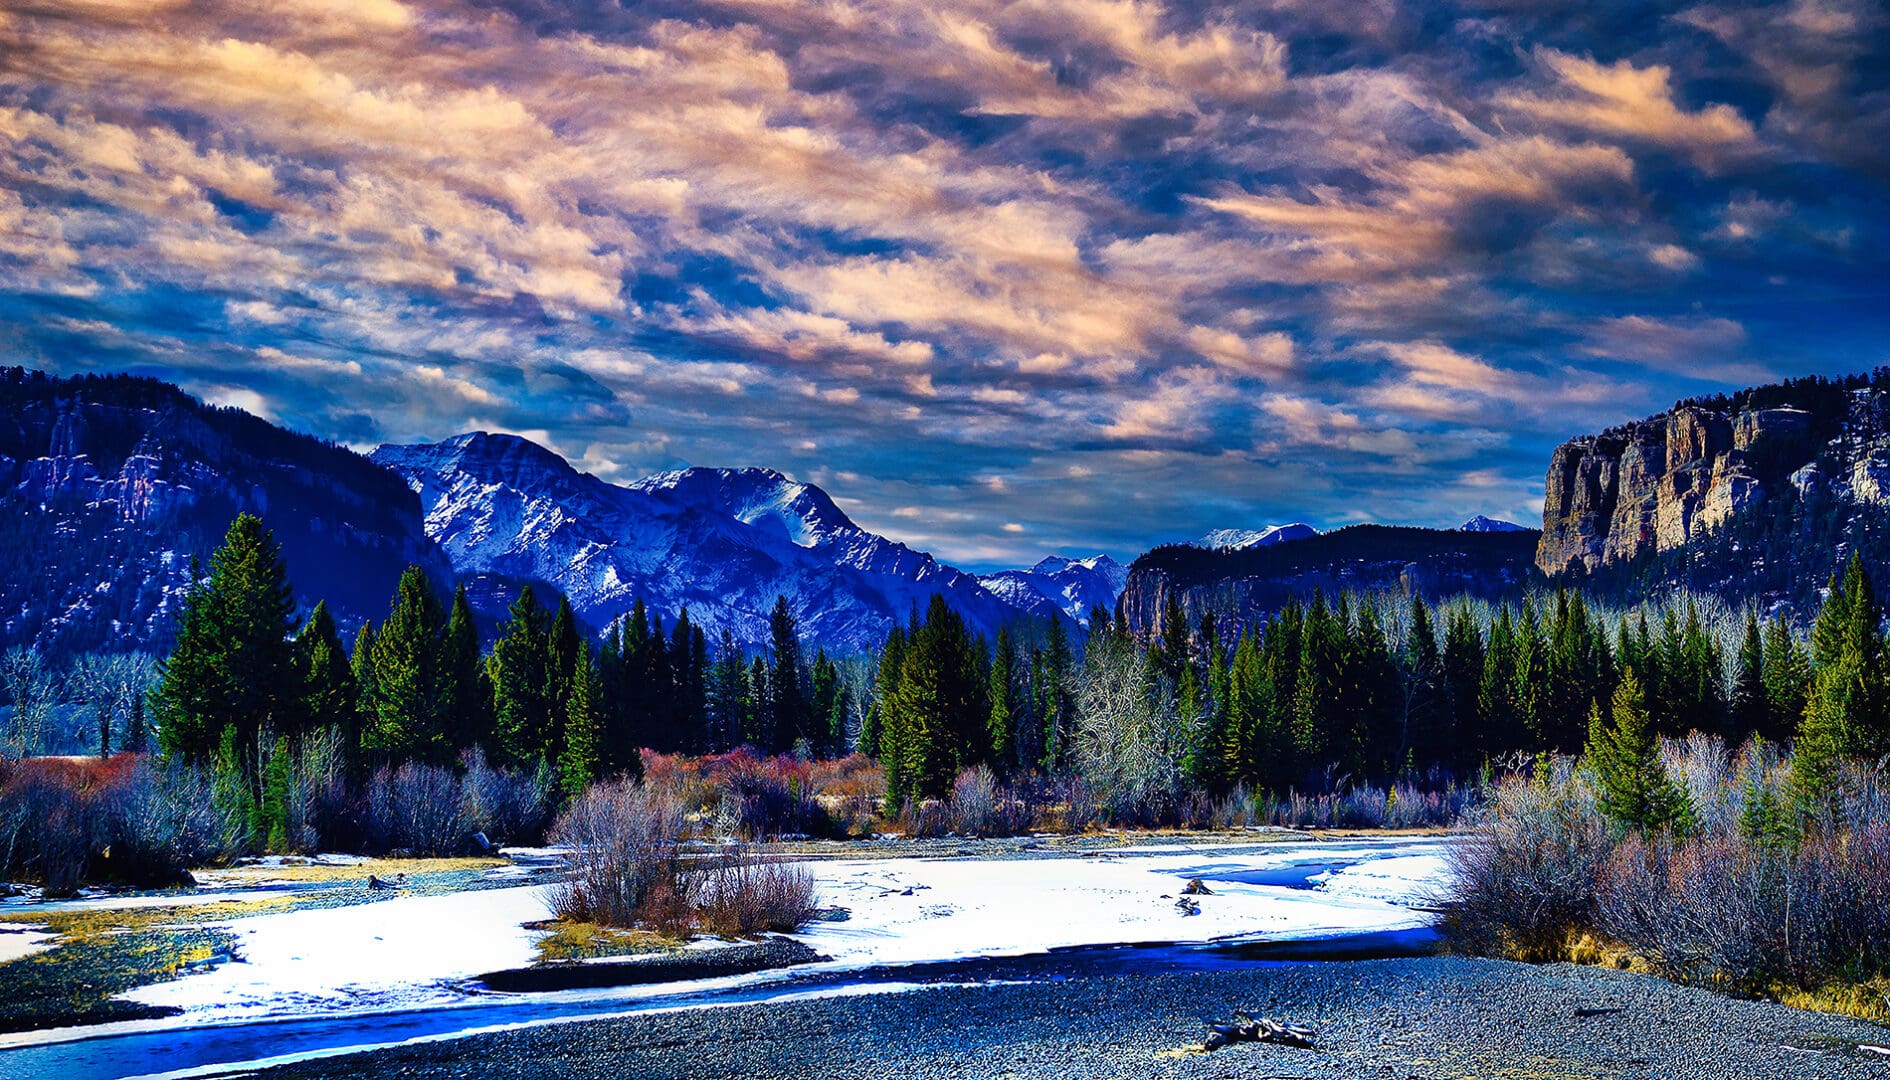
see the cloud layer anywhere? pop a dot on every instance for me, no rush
(1007, 277)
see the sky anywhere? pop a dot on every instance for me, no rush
(1005, 278)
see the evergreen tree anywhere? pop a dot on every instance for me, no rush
(1496, 708)
(408, 717)
(825, 683)
(725, 692)
(462, 672)
(1428, 735)
(563, 643)
(1318, 704)
(886, 676)
(361, 665)
(516, 668)
(1177, 647)
(1055, 707)
(231, 676)
(325, 673)
(1002, 694)
(1750, 710)
(1625, 755)
(1787, 682)
(788, 706)
(581, 760)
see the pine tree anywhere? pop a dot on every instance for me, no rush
(361, 665)
(1427, 734)
(232, 671)
(1625, 756)
(885, 690)
(1750, 710)
(325, 673)
(467, 697)
(1177, 646)
(521, 712)
(581, 760)
(1055, 704)
(563, 643)
(788, 705)
(1496, 706)
(1787, 682)
(408, 711)
(725, 692)
(1318, 705)
(1002, 694)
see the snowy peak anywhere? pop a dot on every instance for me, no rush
(1061, 586)
(723, 543)
(1240, 539)
(801, 513)
(1489, 524)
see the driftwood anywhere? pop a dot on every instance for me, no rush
(1247, 1028)
(1196, 887)
(1188, 906)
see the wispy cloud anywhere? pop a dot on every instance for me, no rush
(1162, 265)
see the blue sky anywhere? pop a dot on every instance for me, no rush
(1005, 278)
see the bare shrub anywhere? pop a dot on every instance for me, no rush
(509, 806)
(415, 808)
(923, 818)
(739, 896)
(622, 840)
(982, 807)
(1753, 913)
(1525, 879)
(161, 820)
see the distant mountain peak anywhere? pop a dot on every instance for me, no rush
(1490, 524)
(1239, 539)
(723, 543)
(1059, 585)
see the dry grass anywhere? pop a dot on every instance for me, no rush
(568, 939)
(299, 871)
(1866, 1001)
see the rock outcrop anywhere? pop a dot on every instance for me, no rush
(110, 485)
(1657, 484)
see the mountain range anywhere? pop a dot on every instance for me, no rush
(111, 485)
(722, 543)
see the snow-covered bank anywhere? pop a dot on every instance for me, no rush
(417, 951)
(19, 942)
(406, 952)
(916, 910)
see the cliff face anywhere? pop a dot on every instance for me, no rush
(1662, 483)
(108, 486)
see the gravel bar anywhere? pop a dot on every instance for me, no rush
(1400, 1019)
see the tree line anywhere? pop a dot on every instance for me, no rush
(244, 682)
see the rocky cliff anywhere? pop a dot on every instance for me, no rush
(1671, 481)
(110, 485)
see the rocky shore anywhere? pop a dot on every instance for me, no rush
(1433, 1017)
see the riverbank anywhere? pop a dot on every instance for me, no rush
(1435, 1017)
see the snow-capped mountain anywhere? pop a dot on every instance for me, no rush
(1489, 524)
(1239, 539)
(721, 542)
(1056, 584)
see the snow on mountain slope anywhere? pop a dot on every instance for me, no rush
(1488, 524)
(1061, 585)
(721, 542)
(1247, 538)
